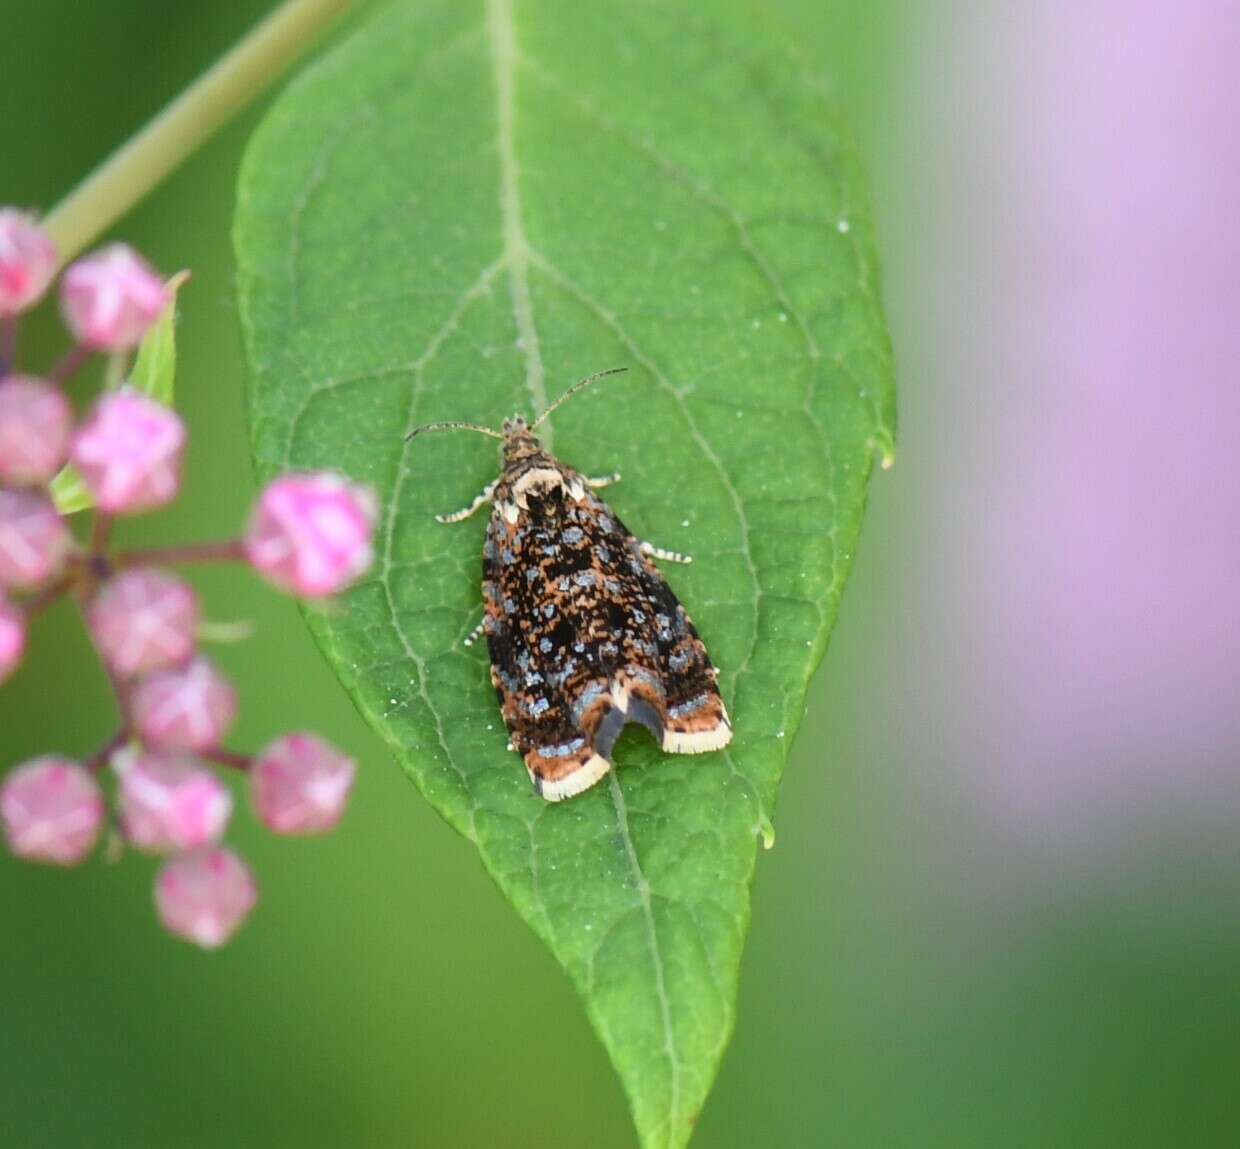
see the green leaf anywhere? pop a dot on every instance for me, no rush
(154, 374)
(458, 212)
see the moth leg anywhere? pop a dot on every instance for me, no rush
(481, 499)
(474, 634)
(667, 556)
(601, 480)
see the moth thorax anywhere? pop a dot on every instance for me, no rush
(539, 482)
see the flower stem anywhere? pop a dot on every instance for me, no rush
(103, 755)
(8, 343)
(116, 367)
(230, 550)
(100, 532)
(238, 77)
(69, 364)
(230, 758)
(50, 594)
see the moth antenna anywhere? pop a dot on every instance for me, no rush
(453, 427)
(579, 385)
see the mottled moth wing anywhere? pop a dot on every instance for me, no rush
(585, 635)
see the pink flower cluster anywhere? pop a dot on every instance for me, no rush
(309, 534)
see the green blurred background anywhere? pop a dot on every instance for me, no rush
(924, 968)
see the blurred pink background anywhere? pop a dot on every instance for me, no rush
(1075, 465)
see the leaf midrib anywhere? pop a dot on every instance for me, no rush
(502, 38)
(517, 255)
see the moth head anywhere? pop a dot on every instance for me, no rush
(519, 441)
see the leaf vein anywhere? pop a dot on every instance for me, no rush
(318, 174)
(479, 287)
(707, 195)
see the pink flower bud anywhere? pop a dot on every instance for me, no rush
(36, 422)
(144, 620)
(12, 637)
(311, 534)
(203, 897)
(27, 261)
(300, 784)
(33, 539)
(169, 802)
(110, 299)
(129, 453)
(52, 811)
(187, 707)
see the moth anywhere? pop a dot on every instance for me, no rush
(583, 631)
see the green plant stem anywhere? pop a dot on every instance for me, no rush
(188, 122)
